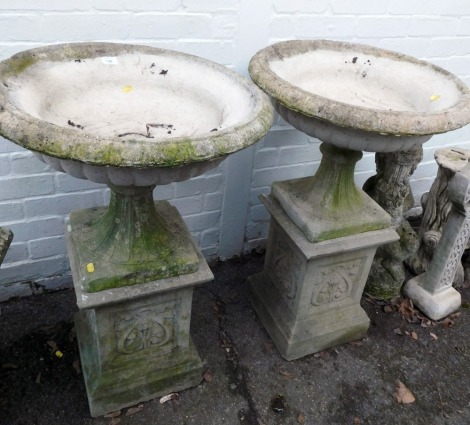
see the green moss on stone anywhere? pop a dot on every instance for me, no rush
(131, 242)
(178, 153)
(19, 64)
(350, 230)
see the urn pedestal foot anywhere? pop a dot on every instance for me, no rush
(308, 295)
(329, 205)
(132, 241)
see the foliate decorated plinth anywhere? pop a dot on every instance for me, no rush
(134, 340)
(308, 295)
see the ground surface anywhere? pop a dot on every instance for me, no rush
(351, 384)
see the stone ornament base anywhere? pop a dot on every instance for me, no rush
(135, 341)
(308, 295)
(435, 306)
(173, 255)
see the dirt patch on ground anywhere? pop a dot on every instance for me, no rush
(356, 383)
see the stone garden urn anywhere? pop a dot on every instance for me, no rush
(324, 229)
(132, 117)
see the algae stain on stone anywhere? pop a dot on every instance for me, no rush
(20, 64)
(178, 153)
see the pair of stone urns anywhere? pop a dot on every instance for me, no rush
(134, 117)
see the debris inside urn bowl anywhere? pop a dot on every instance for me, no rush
(168, 127)
(72, 124)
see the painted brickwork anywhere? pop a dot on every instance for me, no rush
(221, 208)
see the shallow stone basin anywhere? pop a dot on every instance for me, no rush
(123, 105)
(360, 97)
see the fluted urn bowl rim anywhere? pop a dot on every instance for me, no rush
(25, 127)
(268, 64)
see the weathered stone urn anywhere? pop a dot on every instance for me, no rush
(132, 117)
(324, 229)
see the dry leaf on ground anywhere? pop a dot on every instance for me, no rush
(115, 421)
(447, 322)
(76, 366)
(426, 323)
(357, 421)
(300, 418)
(414, 335)
(172, 396)
(287, 374)
(219, 309)
(410, 314)
(53, 345)
(268, 347)
(133, 410)
(114, 414)
(433, 336)
(403, 394)
(207, 376)
(405, 307)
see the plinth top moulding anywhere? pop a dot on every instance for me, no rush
(128, 106)
(361, 87)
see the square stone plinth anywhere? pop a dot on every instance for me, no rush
(308, 295)
(135, 341)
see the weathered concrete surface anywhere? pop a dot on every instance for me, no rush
(333, 388)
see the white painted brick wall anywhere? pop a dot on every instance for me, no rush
(221, 208)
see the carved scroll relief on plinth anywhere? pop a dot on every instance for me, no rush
(145, 328)
(336, 282)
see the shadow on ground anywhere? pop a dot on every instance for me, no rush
(351, 384)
